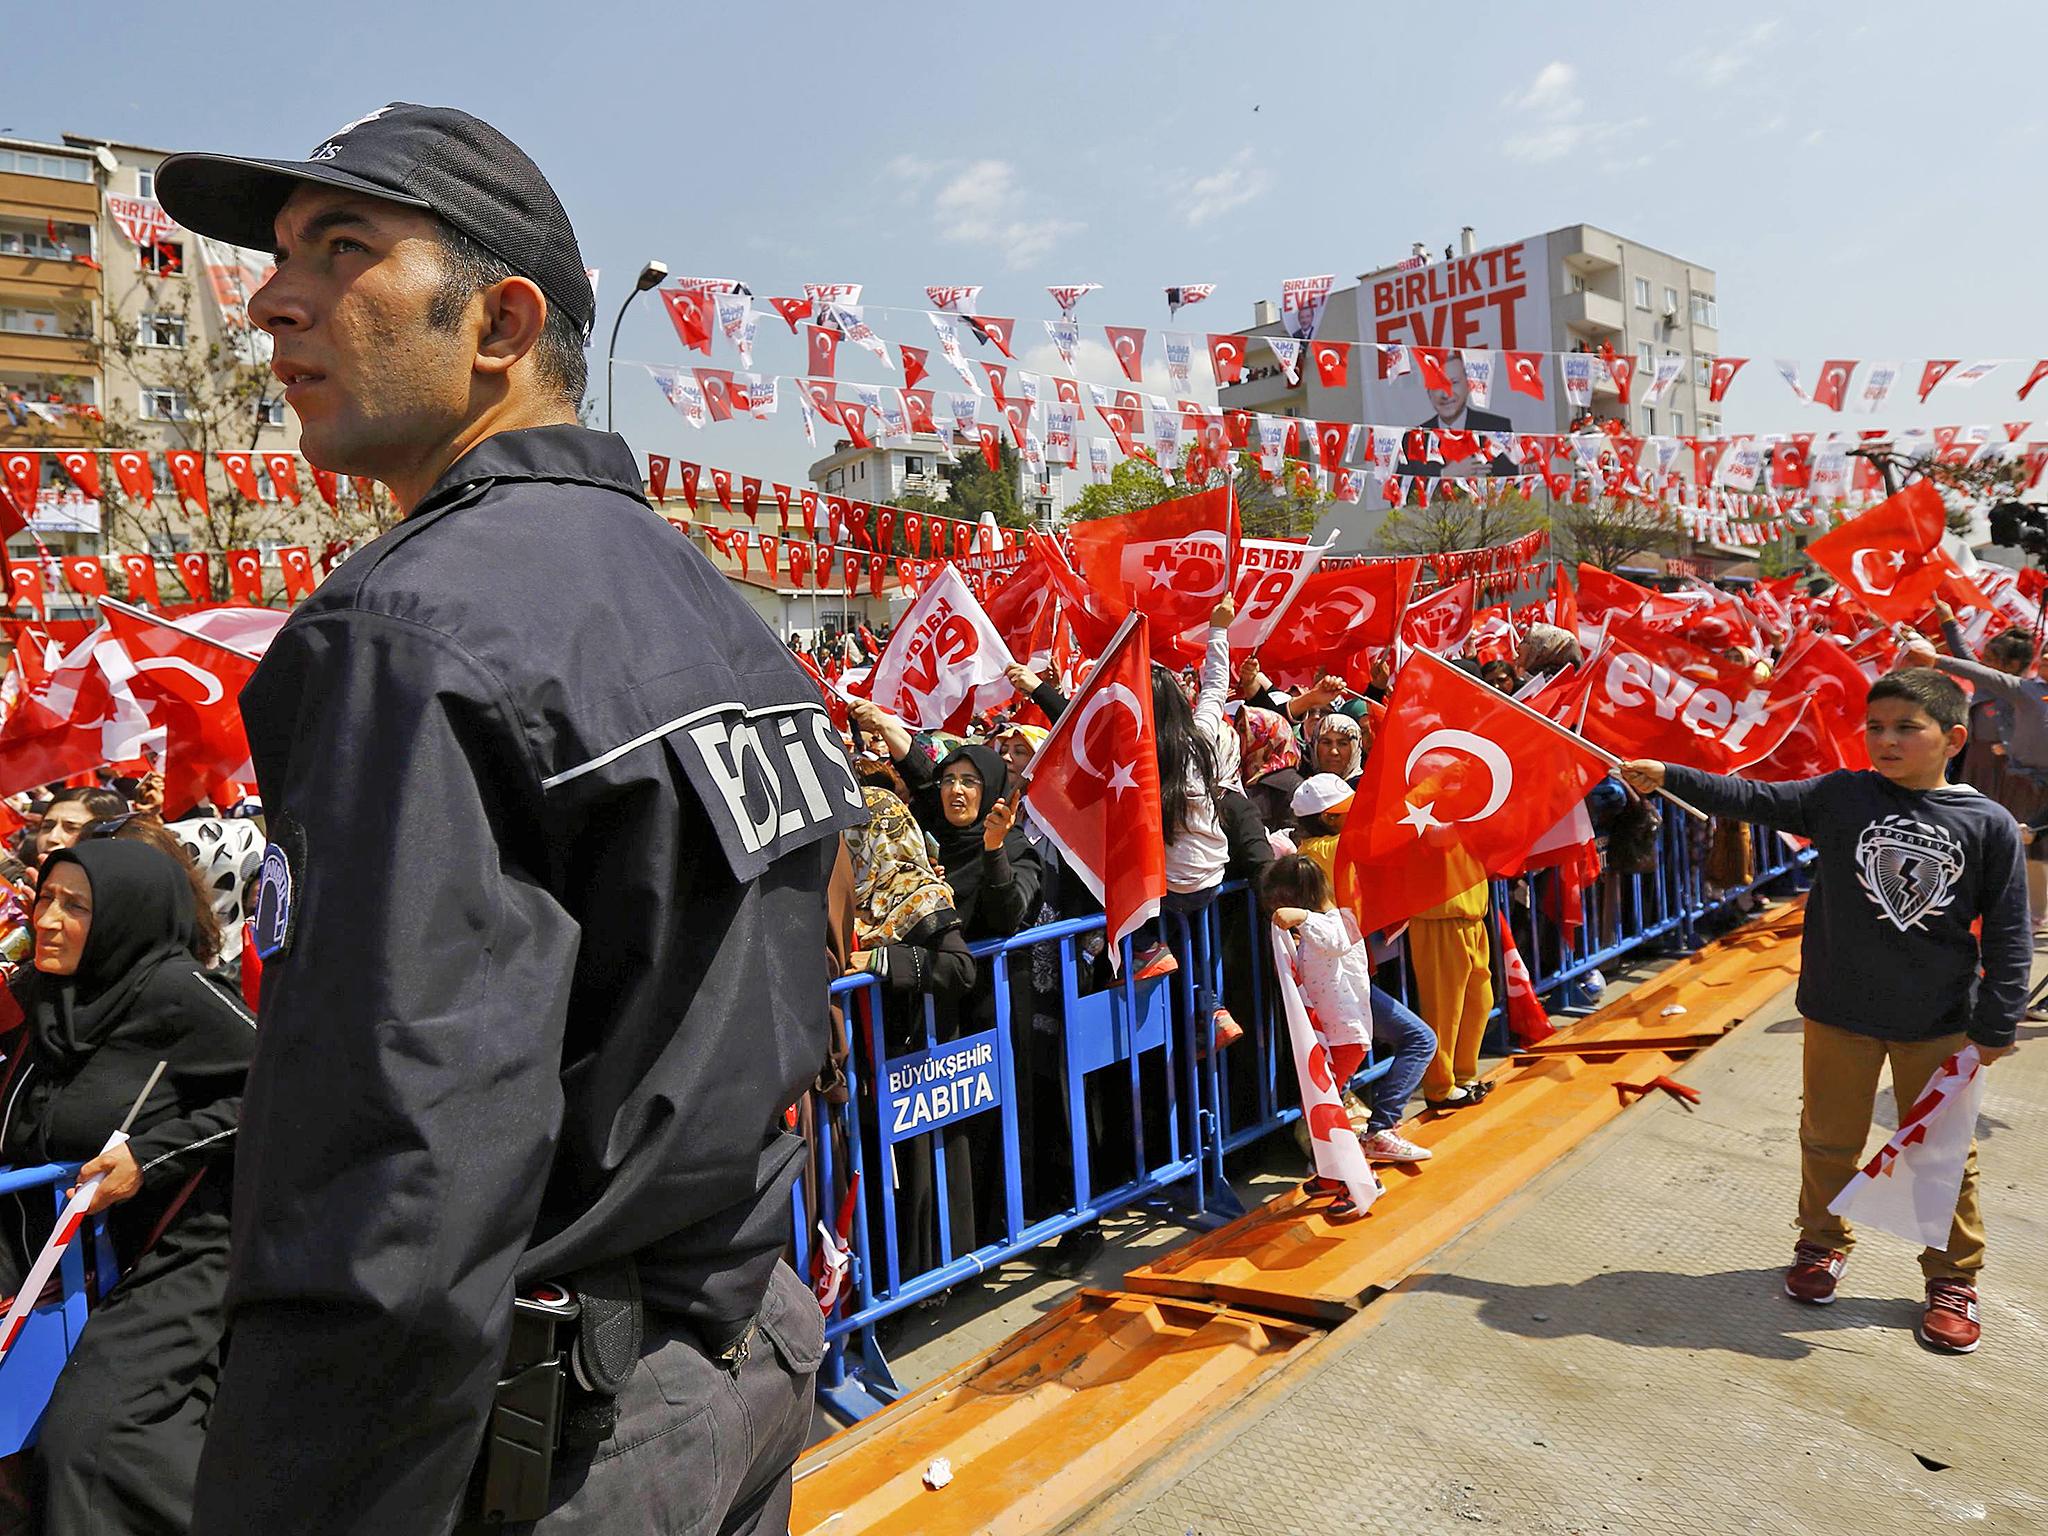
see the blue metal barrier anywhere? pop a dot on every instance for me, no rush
(30, 1369)
(1130, 1073)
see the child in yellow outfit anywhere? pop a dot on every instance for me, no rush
(1454, 992)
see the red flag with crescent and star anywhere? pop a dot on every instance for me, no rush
(1172, 561)
(192, 683)
(1128, 343)
(1093, 787)
(1890, 558)
(1338, 611)
(1460, 784)
(1525, 373)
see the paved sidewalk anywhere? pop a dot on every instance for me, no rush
(1612, 1353)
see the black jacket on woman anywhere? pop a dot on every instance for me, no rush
(994, 891)
(120, 1442)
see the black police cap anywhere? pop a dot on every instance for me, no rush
(435, 158)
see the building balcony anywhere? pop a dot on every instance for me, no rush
(25, 352)
(1592, 313)
(44, 279)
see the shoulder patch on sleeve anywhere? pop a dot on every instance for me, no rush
(277, 888)
(772, 780)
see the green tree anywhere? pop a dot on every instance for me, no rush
(1607, 530)
(1451, 520)
(976, 489)
(1287, 508)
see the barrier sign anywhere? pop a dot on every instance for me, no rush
(935, 1088)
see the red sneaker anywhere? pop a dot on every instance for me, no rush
(1154, 960)
(1228, 1033)
(1814, 1273)
(1950, 1322)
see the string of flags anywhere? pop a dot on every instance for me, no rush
(30, 582)
(257, 475)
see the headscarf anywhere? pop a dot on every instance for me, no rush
(1338, 725)
(1269, 743)
(894, 886)
(142, 918)
(1034, 735)
(229, 853)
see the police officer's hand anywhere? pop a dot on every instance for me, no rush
(1001, 817)
(123, 1179)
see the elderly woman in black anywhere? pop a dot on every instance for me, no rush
(115, 990)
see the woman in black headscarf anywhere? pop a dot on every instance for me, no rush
(115, 990)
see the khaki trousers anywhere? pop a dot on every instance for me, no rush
(1454, 994)
(1841, 1092)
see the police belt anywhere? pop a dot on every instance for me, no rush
(574, 1346)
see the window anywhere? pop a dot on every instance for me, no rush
(270, 413)
(835, 481)
(25, 162)
(1670, 301)
(1678, 423)
(164, 405)
(1703, 310)
(1644, 359)
(166, 258)
(154, 330)
(913, 464)
(34, 243)
(1642, 293)
(1702, 370)
(29, 322)
(1710, 426)
(145, 184)
(1649, 421)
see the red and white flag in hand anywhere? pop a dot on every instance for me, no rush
(944, 662)
(1910, 1187)
(1890, 558)
(1333, 1143)
(1442, 622)
(1094, 786)
(1528, 1019)
(1461, 783)
(1339, 611)
(1270, 572)
(75, 711)
(1172, 561)
(834, 1256)
(1684, 704)
(1829, 732)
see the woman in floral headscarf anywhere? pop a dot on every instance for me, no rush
(1337, 745)
(1272, 765)
(907, 935)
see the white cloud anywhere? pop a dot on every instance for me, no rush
(1553, 93)
(1725, 64)
(1552, 141)
(981, 203)
(1231, 185)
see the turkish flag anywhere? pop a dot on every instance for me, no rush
(296, 563)
(991, 446)
(245, 575)
(1721, 375)
(2035, 376)
(782, 494)
(1431, 361)
(1123, 426)
(87, 577)
(283, 469)
(25, 585)
(690, 474)
(657, 477)
(1128, 343)
(717, 386)
(1890, 558)
(917, 412)
(1094, 786)
(1226, 357)
(998, 382)
(1936, 370)
(1442, 622)
(74, 711)
(944, 661)
(240, 469)
(1829, 731)
(750, 497)
(994, 328)
(721, 485)
(1683, 704)
(854, 417)
(23, 473)
(131, 469)
(792, 310)
(693, 312)
(192, 683)
(1477, 782)
(1022, 607)
(913, 363)
(328, 484)
(822, 351)
(1791, 464)
(1525, 373)
(1333, 438)
(1528, 1019)
(193, 571)
(140, 573)
(1172, 560)
(1620, 369)
(1333, 363)
(188, 476)
(84, 470)
(1832, 388)
(1339, 611)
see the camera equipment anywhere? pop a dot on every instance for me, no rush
(2020, 526)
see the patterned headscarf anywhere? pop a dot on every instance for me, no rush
(894, 885)
(229, 853)
(1269, 743)
(1344, 726)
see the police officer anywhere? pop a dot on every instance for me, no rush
(552, 815)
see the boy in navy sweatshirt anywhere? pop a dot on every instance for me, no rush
(1889, 967)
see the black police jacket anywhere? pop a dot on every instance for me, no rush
(552, 818)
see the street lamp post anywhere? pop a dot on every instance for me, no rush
(650, 275)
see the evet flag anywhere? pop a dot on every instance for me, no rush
(1094, 786)
(1909, 1188)
(1684, 705)
(1461, 784)
(944, 662)
(1339, 1158)
(1269, 574)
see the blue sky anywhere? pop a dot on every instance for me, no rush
(1865, 180)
